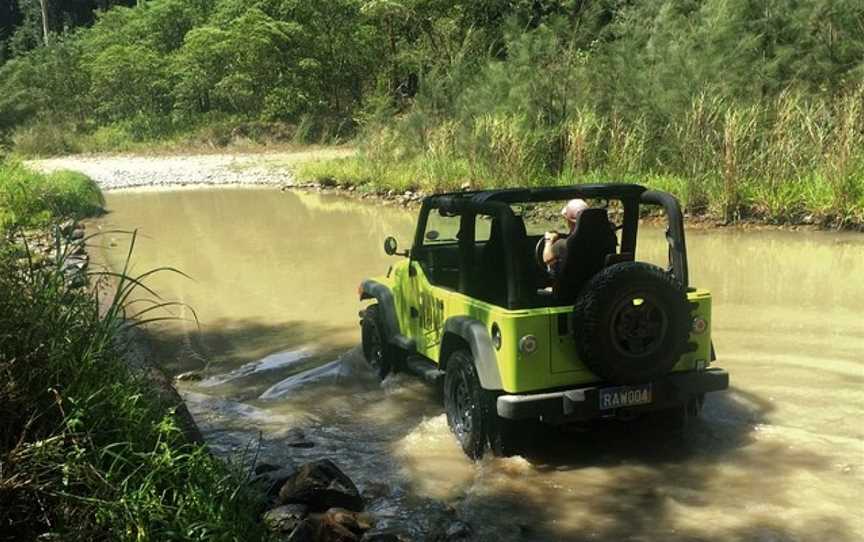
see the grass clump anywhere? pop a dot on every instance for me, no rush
(31, 199)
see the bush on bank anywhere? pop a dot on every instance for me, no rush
(31, 199)
(87, 450)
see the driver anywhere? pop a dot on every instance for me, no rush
(555, 247)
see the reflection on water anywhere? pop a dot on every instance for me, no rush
(778, 457)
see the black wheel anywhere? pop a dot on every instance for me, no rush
(471, 412)
(377, 352)
(631, 322)
(464, 402)
(677, 420)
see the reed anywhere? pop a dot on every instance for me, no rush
(790, 159)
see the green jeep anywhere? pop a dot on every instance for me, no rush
(472, 303)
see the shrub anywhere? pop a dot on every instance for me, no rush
(31, 199)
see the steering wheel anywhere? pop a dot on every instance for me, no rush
(538, 252)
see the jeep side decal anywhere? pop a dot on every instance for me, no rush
(431, 318)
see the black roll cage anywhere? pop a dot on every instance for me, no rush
(497, 204)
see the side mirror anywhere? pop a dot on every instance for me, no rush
(391, 247)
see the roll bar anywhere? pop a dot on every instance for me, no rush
(674, 232)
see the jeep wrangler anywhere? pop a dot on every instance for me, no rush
(471, 303)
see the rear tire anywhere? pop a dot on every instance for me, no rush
(471, 412)
(379, 354)
(676, 421)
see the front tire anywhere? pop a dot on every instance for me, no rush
(378, 353)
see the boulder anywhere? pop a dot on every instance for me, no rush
(305, 531)
(271, 481)
(321, 485)
(286, 518)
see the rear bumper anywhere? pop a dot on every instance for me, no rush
(584, 403)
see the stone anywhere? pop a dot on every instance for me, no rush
(321, 485)
(285, 518)
(188, 376)
(466, 185)
(67, 227)
(272, 481)
(375, 490)
(77, 234)
(358, 522)
(296, 438)
(305, 531)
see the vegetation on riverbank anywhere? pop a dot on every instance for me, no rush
(791, 161)
(87, 449)
(748, 109)
(30, 199)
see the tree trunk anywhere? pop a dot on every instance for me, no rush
(45, 36)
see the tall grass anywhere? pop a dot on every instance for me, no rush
(29, 199)
(89, 450)
(790, 159)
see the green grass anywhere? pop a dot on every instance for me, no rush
(31, 199)
(89, 449)
(811, 198)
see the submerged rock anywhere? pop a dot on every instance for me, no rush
(285, 518)
(321, 485)
(188, 376)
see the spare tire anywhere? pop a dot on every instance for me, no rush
(631, 322)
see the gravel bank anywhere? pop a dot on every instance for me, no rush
(124, 171)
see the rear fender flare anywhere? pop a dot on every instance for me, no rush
(460, 331)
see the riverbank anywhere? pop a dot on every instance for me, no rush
(89, 447)
(341, 170)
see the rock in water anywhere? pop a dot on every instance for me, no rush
(188, 376)
(272, 481)
(321, 485)
(285, 519)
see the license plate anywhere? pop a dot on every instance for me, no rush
(625, 396)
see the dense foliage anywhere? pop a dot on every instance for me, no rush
(90, 450)
(734, 93)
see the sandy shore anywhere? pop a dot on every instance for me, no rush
(113, 172)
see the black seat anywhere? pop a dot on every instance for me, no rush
(591, 242)
(490, 282)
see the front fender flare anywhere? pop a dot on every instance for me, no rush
(475, 334)
(372, 289)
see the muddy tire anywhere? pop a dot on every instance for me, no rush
(471, 412)
(676, 421)
(378, 353)
(631, 323)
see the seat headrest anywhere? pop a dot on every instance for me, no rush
(591, 220)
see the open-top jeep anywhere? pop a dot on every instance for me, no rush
(472, 303)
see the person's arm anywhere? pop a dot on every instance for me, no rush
(548, 255)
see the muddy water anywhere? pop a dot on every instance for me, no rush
(780, 456)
